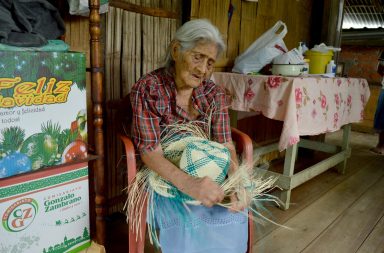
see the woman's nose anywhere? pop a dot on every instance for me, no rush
(203, 66)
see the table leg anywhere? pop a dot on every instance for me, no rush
(345, 146)
(289, 166)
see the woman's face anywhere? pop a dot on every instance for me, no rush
(195, 65)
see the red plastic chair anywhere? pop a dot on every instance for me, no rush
(243, 147)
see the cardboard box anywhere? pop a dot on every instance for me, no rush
(45, 211)
(43, 119)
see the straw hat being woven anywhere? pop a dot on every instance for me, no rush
(197, 157)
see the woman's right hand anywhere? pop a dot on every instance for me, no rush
(204, 190)
(201, 189)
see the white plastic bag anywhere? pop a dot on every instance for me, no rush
(80, 7)
(291, 57)
(262, 51)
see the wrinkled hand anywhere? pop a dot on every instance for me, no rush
(237, 205)
(204, 190)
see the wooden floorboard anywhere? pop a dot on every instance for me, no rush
(311, 221)
(375, 241)
(309, 192)
(319, 207)
(349, 231)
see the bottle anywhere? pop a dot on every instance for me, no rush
(331, 68)
(304, 47)
(300, 48)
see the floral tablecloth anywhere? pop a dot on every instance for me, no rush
(307, 105)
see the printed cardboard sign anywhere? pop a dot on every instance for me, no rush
(43, 119)
(46, 211)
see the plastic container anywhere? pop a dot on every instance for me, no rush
(318, 61)
(287, 69)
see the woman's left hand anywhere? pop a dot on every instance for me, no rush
(236, 204)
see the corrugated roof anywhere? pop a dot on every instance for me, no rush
(363, 14)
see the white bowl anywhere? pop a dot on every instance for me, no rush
(287, 69)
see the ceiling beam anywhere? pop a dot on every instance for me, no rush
(379, 5)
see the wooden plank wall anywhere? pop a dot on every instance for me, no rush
(251, 19)
(135, 44)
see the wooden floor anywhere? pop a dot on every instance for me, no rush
(330, 213)
(333, 212)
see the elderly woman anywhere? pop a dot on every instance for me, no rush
(183, 92)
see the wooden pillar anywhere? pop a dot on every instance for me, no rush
(97, 101)
(332, 24)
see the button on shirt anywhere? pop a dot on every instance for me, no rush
(153, 99)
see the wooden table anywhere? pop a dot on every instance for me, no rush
(308, 106)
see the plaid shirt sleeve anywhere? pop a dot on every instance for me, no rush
(146, 118)
(221, 129)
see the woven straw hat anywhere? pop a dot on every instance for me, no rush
(196, 156)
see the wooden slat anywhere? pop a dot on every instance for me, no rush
(309, 173)
(310, 191)
(249, 24)
(233, 38)
(298, 24)
(149, 11)
(195, 6)
(163, 40)
(375, 242)
(116, 178)
(353, 226)
(138, 38)
(148, 39)
(319, 146)
(174, 24)
(156, 37)
(113, 76)
(309, 223)
(128, 53)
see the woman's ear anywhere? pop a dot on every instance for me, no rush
(175, 49)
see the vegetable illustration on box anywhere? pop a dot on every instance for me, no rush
(42, 110)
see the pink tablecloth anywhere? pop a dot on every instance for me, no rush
(307, 105)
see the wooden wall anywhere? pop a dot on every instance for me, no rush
(251, 19)
(248, 22)
(137, 34)
(133, 44)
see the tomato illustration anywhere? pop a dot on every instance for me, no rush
(76, 150)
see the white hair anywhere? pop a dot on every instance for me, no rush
(193, 32)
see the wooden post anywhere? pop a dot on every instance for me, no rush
(97, 99)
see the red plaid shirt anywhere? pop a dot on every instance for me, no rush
(154, 107)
